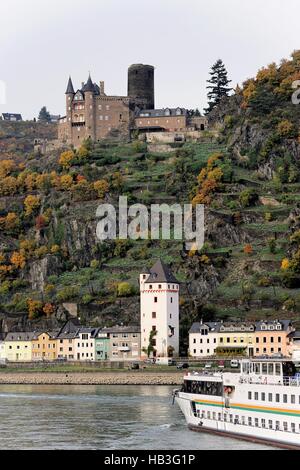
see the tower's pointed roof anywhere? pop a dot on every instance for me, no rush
(70, 88)
(161, 272)
(89, 86)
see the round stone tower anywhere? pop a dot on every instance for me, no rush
(141, 85)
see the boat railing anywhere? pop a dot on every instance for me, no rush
(271, 380)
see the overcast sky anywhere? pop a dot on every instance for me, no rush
(43, 41)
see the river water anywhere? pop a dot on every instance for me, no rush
(98, 417)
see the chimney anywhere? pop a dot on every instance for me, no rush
(102, 91)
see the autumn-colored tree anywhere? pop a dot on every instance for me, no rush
(6, 167)
(12, 221)
(66, 182)
(285, 128)
(102, 188)
(27, 247)
(48, 310)
(18, 260)
(31, 204)
(30, 182)
(66, 158)
(285, 264)
(34, 308)
(248, 250)
(8, 186)
(40, 222)
(55, 249)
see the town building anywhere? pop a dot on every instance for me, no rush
(168, 120)
(272, 337)
(18, 347)
(44, 346)
(2, 347)
(12, 117)
(250, 339)
(124, 342)
(84, 349)
(66, 338)
(203, 339)
(102, 346)
(159, 291)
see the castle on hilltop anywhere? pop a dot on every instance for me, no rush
(90, 113)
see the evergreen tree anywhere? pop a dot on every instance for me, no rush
(44, 115)
(218, 85)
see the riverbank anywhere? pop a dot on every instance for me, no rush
(88, 378)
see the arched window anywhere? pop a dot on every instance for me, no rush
(167, 112)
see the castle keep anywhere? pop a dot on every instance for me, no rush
(90, 113)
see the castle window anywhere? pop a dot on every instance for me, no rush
(106, 118)
(100, 106)
(107, 107)
(101, 118)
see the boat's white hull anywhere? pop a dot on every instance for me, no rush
(254, 434)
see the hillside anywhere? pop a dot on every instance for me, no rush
(249, 179)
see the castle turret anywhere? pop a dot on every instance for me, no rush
(89, 95)
(141, 85)
(70, 93)
(159, 291)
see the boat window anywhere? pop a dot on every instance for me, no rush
(285, 398)
(277, 427)
(249, 421)
(256, 368)
(219, 416)
(285, 426)
(277, 398)
(270, 424)
(293, 399)
(250, 396)
(203, 388)
(270, 397)
(278, 369)
(256, 396)
(263, 423)
(270, 369)
(293, 427)
(289, 369)
(265, 369)
(263, 397)
(256, 422)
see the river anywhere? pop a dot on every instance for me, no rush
(98, 417)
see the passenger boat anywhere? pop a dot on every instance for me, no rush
(260, 402)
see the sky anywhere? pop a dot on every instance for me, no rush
(45, 41)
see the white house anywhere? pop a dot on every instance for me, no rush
(159, 291)
(204, 339)
(2, 348)
(84, 344)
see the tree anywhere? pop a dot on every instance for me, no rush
(65, 159)
(218, 85)
(44, 115)
(102, 188)
(31, 204)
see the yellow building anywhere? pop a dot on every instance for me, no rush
(44, 346)
(18, 347)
